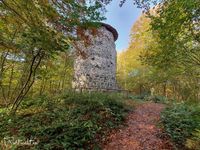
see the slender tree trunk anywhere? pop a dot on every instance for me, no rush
(29, 82)
(140, 89)
(41, 87)
(2, 69)
(164, 89)
(10, 80)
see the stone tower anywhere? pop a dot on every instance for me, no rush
(95, 67)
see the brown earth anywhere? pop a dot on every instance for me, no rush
(142, 131)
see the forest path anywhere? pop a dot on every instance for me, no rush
(142, 131)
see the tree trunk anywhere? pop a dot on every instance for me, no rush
(29, 82)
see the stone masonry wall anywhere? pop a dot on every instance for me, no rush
(98, 68)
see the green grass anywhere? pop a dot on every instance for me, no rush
(71, 121)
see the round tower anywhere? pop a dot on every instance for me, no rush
(95, 61)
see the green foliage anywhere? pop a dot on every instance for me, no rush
(194, 142)
(147, 97)
(164, 50)
(71, 121)
(180, 121)
(156, 99)
(32, 34)
(131, 72)
(176, 49)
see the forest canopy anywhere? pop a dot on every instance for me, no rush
(33, 35)
(165, 41)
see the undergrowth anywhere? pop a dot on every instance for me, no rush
(71, 121)
(155, 98)
(182, 122)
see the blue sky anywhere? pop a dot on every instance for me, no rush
(122, 19)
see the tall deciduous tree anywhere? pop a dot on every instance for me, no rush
(131, 71)
(168, 46)
(35, 30)
(176, 29)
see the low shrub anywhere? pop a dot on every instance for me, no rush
(180, 120)
(194, 142)
(71, 121)
(156, 98)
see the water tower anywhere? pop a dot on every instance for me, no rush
(95, 62)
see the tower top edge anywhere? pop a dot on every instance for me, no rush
(111, 29)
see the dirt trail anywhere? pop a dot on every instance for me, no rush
(141, 132)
